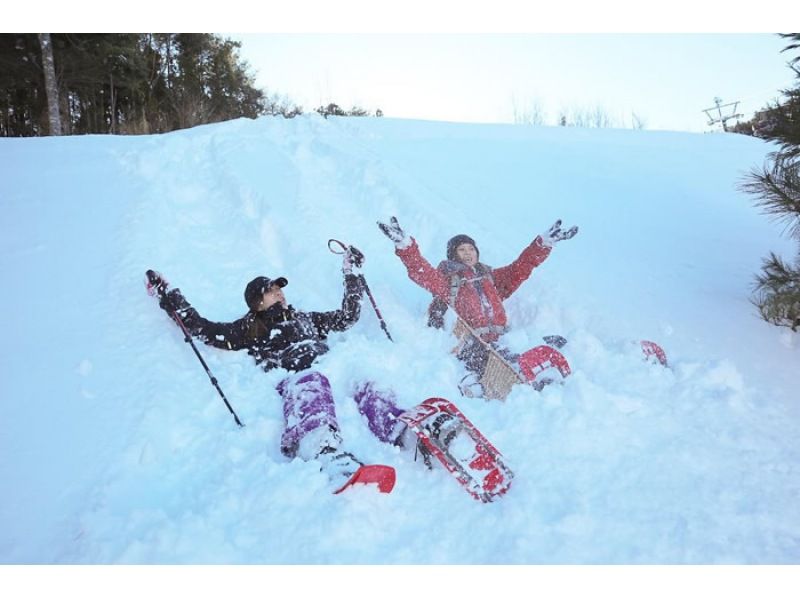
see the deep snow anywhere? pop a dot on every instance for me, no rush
(116, 449)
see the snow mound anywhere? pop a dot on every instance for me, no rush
(116, 449)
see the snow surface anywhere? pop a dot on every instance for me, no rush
(114, 447)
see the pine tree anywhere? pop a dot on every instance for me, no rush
(51, 84)
(122, 83)
(23, 102)
(777, 190)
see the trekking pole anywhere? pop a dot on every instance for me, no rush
(375, 306)
(157, 285)
(359, 259)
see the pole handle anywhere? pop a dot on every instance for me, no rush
(358, 261)
(356, 255)
(335, 242)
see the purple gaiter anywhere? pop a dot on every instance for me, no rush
(307, 405)
(381, 411)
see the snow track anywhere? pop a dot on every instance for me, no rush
(115, 449)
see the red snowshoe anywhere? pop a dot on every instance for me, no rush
(448, 435)
(653, 350)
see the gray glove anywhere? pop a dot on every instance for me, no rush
(353, 258)
(172, 301)
(395, 233)
(555, 234)
(347, 264)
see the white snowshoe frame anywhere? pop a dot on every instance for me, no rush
(493, 477)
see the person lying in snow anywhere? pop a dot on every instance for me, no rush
(476, 291)
(279, 336)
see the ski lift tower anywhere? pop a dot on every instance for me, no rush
(720, 118)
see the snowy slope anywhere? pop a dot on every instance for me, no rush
(114, 447)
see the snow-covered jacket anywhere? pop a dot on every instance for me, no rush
(278, 336)
(476, 294)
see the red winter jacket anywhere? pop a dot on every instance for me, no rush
(480, 291)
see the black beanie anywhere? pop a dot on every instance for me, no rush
(453, 244)
(258, 286)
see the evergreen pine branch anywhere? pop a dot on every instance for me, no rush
(778, 293)
(793, 46)
(784, 124)
(777, 192)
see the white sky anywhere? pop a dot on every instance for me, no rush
(475, 61)
(666, 79)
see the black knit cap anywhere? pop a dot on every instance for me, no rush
(258, 286)
(454, 243)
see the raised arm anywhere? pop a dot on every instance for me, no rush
(222, 335)
(509, 278)
(419, 269)
(341, 319)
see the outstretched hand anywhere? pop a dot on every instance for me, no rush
(353, 258)
(555, 234)
(393, 231)
(156, 283)
(171, 301)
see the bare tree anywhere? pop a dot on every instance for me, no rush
(50, 84)
(575, 117)
(580, 117)
(637, 122)
(599, 118)
(595, 118)
(530, 113)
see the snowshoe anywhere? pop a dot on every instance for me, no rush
(652, 351)
(445, 433)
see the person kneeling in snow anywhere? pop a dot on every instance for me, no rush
(279, 336)
(474, 290)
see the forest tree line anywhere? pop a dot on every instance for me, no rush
(129, 83)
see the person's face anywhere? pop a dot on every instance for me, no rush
(272, 296)
(467, 254)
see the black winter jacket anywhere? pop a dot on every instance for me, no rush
(279, 336)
